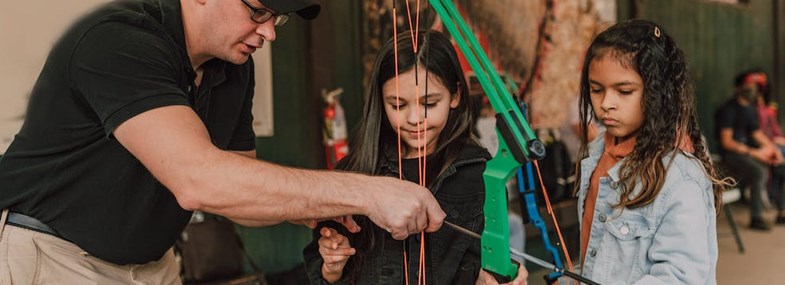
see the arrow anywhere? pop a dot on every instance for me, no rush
(540, 262)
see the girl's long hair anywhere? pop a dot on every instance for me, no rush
(668, 108)
(376, 140)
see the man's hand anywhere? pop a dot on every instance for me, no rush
(778, 158)
(403, 208)
(335, 251)
(767, 155)
(347, 221)
(486, 278)
(780, 141)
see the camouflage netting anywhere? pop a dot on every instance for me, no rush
(571, 31)
(512, 28)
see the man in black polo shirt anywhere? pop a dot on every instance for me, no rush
(141, 114)
(746, 152)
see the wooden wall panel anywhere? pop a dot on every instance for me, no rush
(719, 40)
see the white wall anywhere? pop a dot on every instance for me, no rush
(28, 29)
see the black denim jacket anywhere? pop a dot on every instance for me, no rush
(451, 257)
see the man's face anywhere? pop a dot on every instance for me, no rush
(749, 92)
(232, 35)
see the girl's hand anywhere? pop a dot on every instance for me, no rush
(335, 251)
(486, 278)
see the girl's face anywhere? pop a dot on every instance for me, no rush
(404, 110)
(616, 96)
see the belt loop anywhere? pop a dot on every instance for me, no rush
(3, 218)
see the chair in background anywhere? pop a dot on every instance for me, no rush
(728, 197)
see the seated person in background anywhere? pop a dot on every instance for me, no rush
(756, 81)
(746, 151)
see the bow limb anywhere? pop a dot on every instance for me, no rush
(517, 143)
(517, 146)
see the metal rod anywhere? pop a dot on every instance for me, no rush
(535, 260)
(540, 262)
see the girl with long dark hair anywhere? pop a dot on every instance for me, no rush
(417, 126)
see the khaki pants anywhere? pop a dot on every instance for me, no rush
(29, 257)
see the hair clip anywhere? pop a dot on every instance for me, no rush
(657, 32)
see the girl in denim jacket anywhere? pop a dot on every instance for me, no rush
(648, 192)
(395, 139)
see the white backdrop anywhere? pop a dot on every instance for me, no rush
(28, 29)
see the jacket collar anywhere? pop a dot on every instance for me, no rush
(470, 154)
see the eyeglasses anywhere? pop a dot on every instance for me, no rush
(263, 15)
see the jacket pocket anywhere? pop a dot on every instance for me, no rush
(625, 230)
(624, 249)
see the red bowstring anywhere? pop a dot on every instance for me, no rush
(533, 83)
(553, 216)
(397, 92)
(414, 27)
(422, 140)
(421, 149)
(398, 122)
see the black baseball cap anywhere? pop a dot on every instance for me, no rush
(306, 9)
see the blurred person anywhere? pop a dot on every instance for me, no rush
(747, 153)
(755, 81)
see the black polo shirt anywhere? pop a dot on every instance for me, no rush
(65, 167)
(743, 120)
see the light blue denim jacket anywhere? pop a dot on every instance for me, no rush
(673, 240)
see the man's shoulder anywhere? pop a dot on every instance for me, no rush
(126, 27)
(121, 20)
(728, 111)
(728, 105)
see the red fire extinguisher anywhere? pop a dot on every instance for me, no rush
(334, 131)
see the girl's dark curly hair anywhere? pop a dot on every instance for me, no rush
(668, 108)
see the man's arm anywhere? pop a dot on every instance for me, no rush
(251, 223)
(728, 143)
(762, 140)
(174, 145)
(764, 153)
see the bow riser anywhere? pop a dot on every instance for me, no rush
(495, 237)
